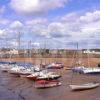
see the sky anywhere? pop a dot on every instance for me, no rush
(50, 23)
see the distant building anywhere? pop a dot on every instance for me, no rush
(91, 52)
(13, 51)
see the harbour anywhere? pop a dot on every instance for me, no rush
(49, 49)
(21, 88)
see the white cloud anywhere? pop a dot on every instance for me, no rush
(57, 29)
(39, 30)
(10, 33)
(36, 21)
(70, 17)
(11, 30)
(37, 44)
(37, 27)
(36, 6)
(70, 27)
(91, 16)
(13, 43)
(2, 32)
(16, 25)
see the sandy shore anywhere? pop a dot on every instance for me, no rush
(66, 61)
(17, 88)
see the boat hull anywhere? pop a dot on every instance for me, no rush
(47, 84)
(48, 78)
(93, 73)
(32, 78)
(84, 86)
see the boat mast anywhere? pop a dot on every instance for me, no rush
(18, 43)
(79, 55)
(19, 39)
(77, 61)
(88, 55)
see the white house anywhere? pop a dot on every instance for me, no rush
(91, 52)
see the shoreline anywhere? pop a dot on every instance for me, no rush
(68, 62)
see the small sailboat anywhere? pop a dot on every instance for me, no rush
(78, 69)
(33, 76)
(79, 65)
(16, 70)
(25, 73)
(41, 84)
(48, 76)
(84, 86)
(55, 66)
(93, 71)
(5, 67)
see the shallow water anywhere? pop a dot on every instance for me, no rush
(17, 88)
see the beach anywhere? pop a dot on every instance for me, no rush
(18, 88)
(68, 62)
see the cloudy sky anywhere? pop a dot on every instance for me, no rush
(50, 23)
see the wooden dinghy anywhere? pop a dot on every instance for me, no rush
(84, 86)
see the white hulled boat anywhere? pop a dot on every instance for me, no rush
(94, 70)
(84, 86)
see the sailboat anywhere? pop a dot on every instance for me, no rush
(79, 67)
(33, 76)
(88, 70)
(48, 77)
(47, 80)
(86, 86)
(5, 66)
(45, 75)
(41, 84)
(55, 65)
(76, 87)
(93, 71)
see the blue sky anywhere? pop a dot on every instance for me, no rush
(59, 23)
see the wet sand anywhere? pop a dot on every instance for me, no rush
(17, 88)
(93, 62)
